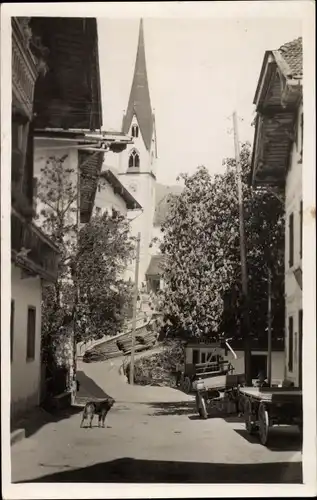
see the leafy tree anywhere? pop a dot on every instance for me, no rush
(202, 270)
(105, 248)
(89, 292)
(56, 209)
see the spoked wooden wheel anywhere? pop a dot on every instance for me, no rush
(264, 424)
(201, 406)
(186, 385)
(249, 417)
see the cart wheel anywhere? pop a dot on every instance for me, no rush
(264, 424)
(186, 385)
(201, 406)
(249, 417)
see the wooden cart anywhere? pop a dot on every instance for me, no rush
(217, 392)
(269, 406)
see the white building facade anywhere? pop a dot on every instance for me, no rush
(277, 162)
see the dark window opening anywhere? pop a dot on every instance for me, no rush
(300, 346)
(134, 160)
(301, 135)
(203, 357)
(291, 240)
(258, 364)
(290, 343)
(195, 356)
(301, 230)
(12, 328)
(135, 131)
(31, 331)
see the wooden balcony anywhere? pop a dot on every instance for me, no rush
(24, 69)
(31, 249)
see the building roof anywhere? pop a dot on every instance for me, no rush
(155, 266)
(292, 53)
(118, 187)
(68, 95)
(139, 100)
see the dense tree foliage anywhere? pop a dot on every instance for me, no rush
(89, 292)
(201, 244)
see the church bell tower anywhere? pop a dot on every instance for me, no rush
(138, 161)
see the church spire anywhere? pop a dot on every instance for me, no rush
(139, 101)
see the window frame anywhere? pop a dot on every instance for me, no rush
(301, 229)
(134, 155)
(291, 239)
(135, 131)
(30, 353)
(12, 317)
(290, 361)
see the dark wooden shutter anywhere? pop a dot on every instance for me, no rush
(12, 329)
(31, 331)
(291, 240)
(300, 346)
(290, 343)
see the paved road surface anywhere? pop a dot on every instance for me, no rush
(152, 435)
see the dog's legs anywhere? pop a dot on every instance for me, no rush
(104, 418)
(83, 420)
(99, 419)
(91, 419)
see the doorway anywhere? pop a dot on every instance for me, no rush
(258, 364)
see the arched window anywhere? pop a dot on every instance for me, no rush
(134, 159)
(135, 131)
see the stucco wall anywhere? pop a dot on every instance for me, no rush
(293, 293)
(142, 186)
(106, 199)
(25, 375)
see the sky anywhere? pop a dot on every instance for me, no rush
(199, 72)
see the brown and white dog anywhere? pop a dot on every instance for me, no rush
(100, 408)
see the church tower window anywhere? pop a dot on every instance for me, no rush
(135, 131)
(134, 159)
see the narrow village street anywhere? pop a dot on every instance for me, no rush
(152, 434)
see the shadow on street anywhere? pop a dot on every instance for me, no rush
(154, 471)
(88, 388)
(281, 441)
(33, 422)
(172, 408)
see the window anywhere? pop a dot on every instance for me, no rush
(195, 356)
(135, 131)
(203, 357)
(134, 160)
(18, 157)
(12, 328)
(300, 345)
(31, 329)
(301, 229)
(291, 240)
(301, 135)
(290, 343)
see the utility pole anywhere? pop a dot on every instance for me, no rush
(269, 326)
(135, 299)
(244, 271)
(74, 347)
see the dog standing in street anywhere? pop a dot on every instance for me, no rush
(100, 408)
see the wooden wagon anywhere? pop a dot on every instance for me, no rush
(269, 406)
(218, 391)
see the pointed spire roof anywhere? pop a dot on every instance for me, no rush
(139, 101)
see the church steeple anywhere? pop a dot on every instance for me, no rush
(139, 101)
